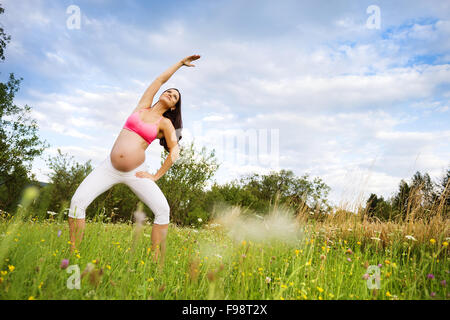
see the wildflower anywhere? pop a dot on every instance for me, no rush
(59, 233)
(445, 243)
(64, 264)
(3, 273)
(244, 242)
(108, 267)
(387, 261)
(349, 251)
(52, 213)
(320, 298)
(297, 252)
(375, 238)
(430, 276)
(320, 289)
(40, 285)
(409, 237)
(268, 280)
(380, 265)
(284, 286)
(444, 283)
(388, 294)
(432, 241)
(199, 220)
(366, 276)
(433, 294)
(359, 242)
(349, 260)
(31, 298)
(11, 268)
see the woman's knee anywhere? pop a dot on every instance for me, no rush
(77, 207)
(162, 215)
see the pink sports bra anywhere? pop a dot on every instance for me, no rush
(148, 131)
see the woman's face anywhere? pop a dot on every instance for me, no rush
(170, 96)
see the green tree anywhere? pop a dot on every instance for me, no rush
(291, 190)
(19, 142)
(184, 184)
(423, 189)
(4, 38)
(377, 207)
(65, 177)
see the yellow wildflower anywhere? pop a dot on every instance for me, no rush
(320, 298)
(388, 294)
(3, 273)
(320, 289)
(109, 267)
(433, 241)
(445, 243)
(40, 285)
(31, 298)
(284, 286)
(11, 268)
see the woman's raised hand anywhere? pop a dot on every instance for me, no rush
(187, 61)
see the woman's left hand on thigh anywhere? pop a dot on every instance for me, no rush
(145, 174)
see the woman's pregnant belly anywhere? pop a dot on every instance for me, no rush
(128, 151)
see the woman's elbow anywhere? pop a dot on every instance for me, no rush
(175, 153)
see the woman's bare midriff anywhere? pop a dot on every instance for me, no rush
(128, 151)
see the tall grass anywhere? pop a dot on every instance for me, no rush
(284, 255)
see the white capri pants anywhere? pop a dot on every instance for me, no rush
(104, 176)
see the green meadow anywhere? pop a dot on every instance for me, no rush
(229, 258)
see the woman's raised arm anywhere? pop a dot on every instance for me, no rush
(150, 92)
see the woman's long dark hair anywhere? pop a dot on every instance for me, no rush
(175, 117)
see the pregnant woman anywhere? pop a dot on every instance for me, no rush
(126, 162)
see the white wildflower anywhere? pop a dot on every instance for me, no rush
(409, 237)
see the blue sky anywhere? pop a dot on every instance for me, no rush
(361, 108)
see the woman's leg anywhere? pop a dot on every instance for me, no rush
(97, 182)
(148, 191)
